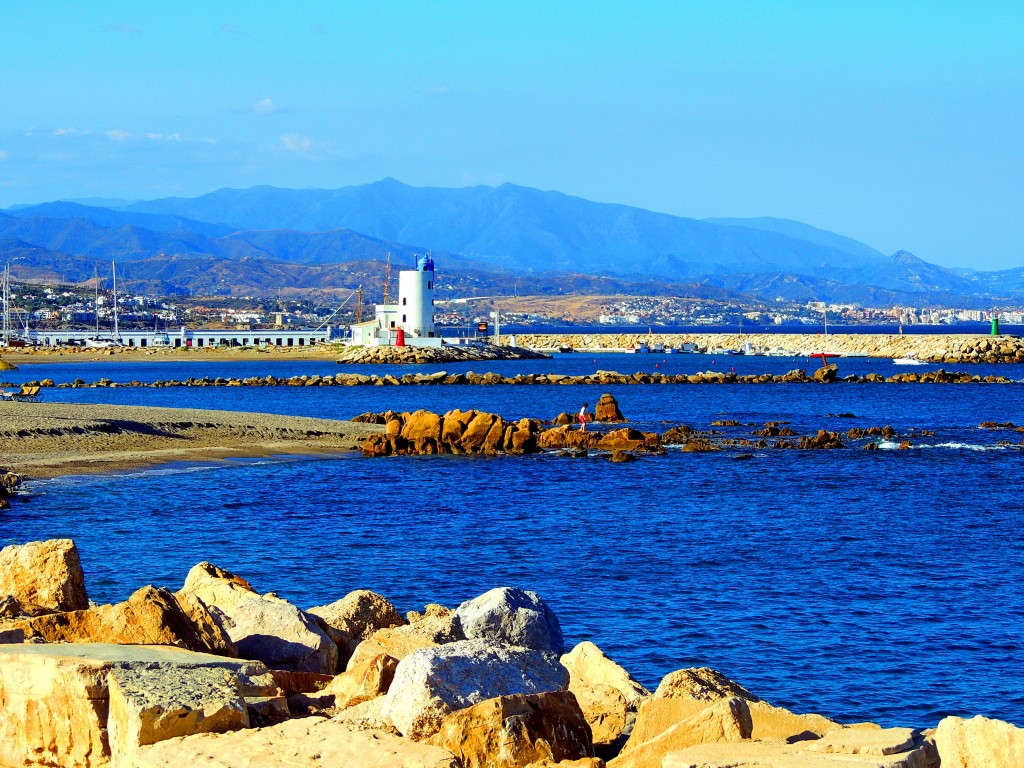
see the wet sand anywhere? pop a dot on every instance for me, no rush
(49, 439)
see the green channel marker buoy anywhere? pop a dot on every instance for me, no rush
(995, 325)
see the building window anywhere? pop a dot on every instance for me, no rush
(430, 285)
(403, 301)
(392, 323)
(403, 318)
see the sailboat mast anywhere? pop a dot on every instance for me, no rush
(96, 299)
(7, 303)
(113, 268)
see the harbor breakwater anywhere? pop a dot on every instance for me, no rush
(826, 375)
(937, 348)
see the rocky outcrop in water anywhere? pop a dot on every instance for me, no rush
(458, 432)
(449, 703)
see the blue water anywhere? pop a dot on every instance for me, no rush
(862, 585)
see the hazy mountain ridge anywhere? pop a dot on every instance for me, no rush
(516, 230)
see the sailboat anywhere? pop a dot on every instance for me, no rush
(98, 342)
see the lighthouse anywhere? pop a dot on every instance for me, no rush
(410, 320)
(416, 299)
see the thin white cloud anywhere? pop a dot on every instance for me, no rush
(154, 136)
(295, 142)
(69, 131)
(118, 134)
(264, 107)
(439, 90)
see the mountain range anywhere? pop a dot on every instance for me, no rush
(265, 239)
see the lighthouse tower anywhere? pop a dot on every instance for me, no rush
(416, 299)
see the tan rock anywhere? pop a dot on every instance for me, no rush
(607, 409)
(979, 742)
(149, 705)
(606, 692)
(686, 691)
(56, 697)
(262, 627)
(44, 573)
(367, 716)
(583, 762)
(310, 742)
(725, 720)
(779, 754)
(857, 741)
(513, 731)
(151, 616)
(680, 695)
(362, 681)
(399, 642)
(588, 664)
(357, 616)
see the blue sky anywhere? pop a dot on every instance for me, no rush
(899, 124)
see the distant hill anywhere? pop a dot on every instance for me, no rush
(506, 231)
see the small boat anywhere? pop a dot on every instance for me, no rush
(908, 361)
(735, 352)
(640, 349)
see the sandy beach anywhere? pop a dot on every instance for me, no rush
(50, 439)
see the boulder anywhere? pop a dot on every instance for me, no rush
(310, 742)
(727, 720)
(511, 616)
(583, 762)
(149, 705)
(437, 628)
(684, 692)
(432, 682)
(607, 693)
(151, 616)
(514, 731)
(979, 743)
(607, 409)
(355, 617)
(57, 699)
(779, 754)
(44, 573)
(367, 716)
(262, 627)
(361, 682)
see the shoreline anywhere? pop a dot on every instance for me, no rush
(936, 348)
(45, 440)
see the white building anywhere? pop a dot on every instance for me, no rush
(410, 321)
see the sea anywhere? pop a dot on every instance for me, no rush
(877, 586)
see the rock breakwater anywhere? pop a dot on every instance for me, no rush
(488, 683)
(933, 348)
(449, 353)
(439, 378)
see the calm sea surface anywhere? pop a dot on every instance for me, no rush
(863, 585)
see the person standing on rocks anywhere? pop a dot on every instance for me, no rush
(583, 418)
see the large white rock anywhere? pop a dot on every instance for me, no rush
(54, 699)
(979, 743)
(432, 682)
(47, 574)
(310, 742)
(262, 627)
(512, 616)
